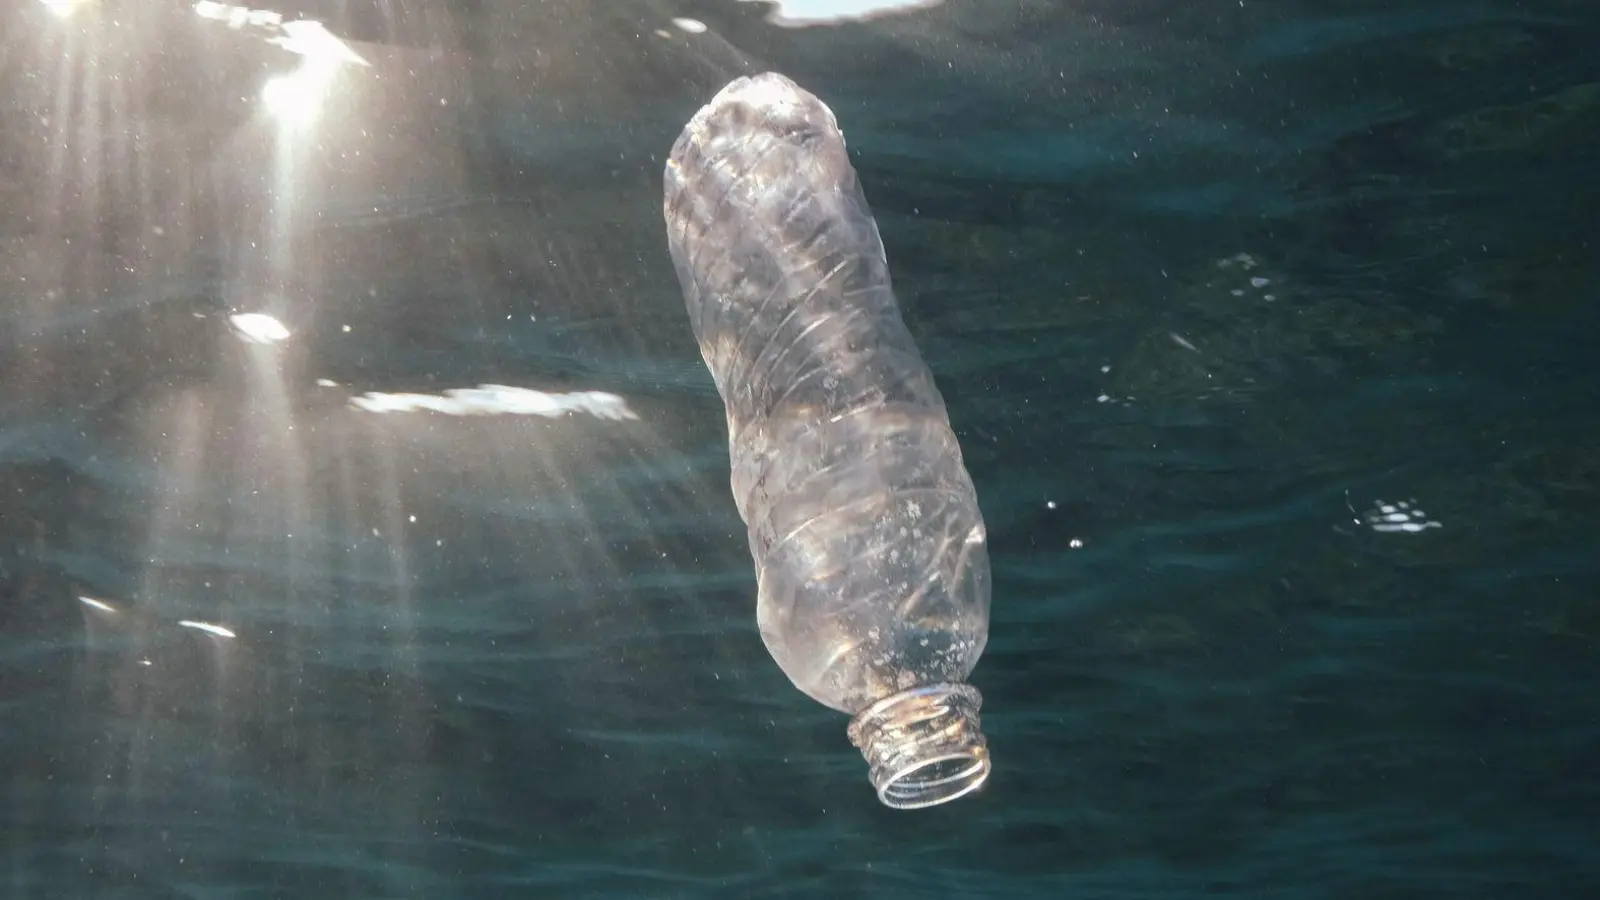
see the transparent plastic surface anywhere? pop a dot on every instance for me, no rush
(863, 523)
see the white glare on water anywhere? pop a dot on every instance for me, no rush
(796, 13)
(497, 399)
(259, 328)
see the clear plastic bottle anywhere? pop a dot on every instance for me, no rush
(868, 543)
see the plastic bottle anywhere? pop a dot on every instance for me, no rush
(869, 548)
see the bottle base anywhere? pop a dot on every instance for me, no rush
(923, 746)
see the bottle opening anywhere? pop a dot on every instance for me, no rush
(924, 746)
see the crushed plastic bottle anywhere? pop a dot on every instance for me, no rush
(869, 547)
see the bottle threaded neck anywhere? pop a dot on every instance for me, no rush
(923, 746)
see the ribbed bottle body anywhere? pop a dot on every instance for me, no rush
(863, 523)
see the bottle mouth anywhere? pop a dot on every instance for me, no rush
(923, 746)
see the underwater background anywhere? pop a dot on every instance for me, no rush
(365, 528)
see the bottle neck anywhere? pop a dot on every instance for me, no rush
(923, 746)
